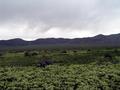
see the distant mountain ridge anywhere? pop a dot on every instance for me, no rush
(99, 40)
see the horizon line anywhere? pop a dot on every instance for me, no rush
(57, 37)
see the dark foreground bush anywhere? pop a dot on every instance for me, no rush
(44, 63)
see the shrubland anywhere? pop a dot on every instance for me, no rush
(79, 69)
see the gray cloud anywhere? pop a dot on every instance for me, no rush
(58, 18)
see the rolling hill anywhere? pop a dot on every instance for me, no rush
(99, 40)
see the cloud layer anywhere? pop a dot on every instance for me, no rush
(32, 19)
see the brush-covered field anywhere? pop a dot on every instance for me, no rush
(60, 69)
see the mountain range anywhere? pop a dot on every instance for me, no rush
(99, 40)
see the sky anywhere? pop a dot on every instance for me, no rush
(33, 19)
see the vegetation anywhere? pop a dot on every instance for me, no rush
(60, 69)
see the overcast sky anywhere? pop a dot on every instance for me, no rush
(32, 19)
